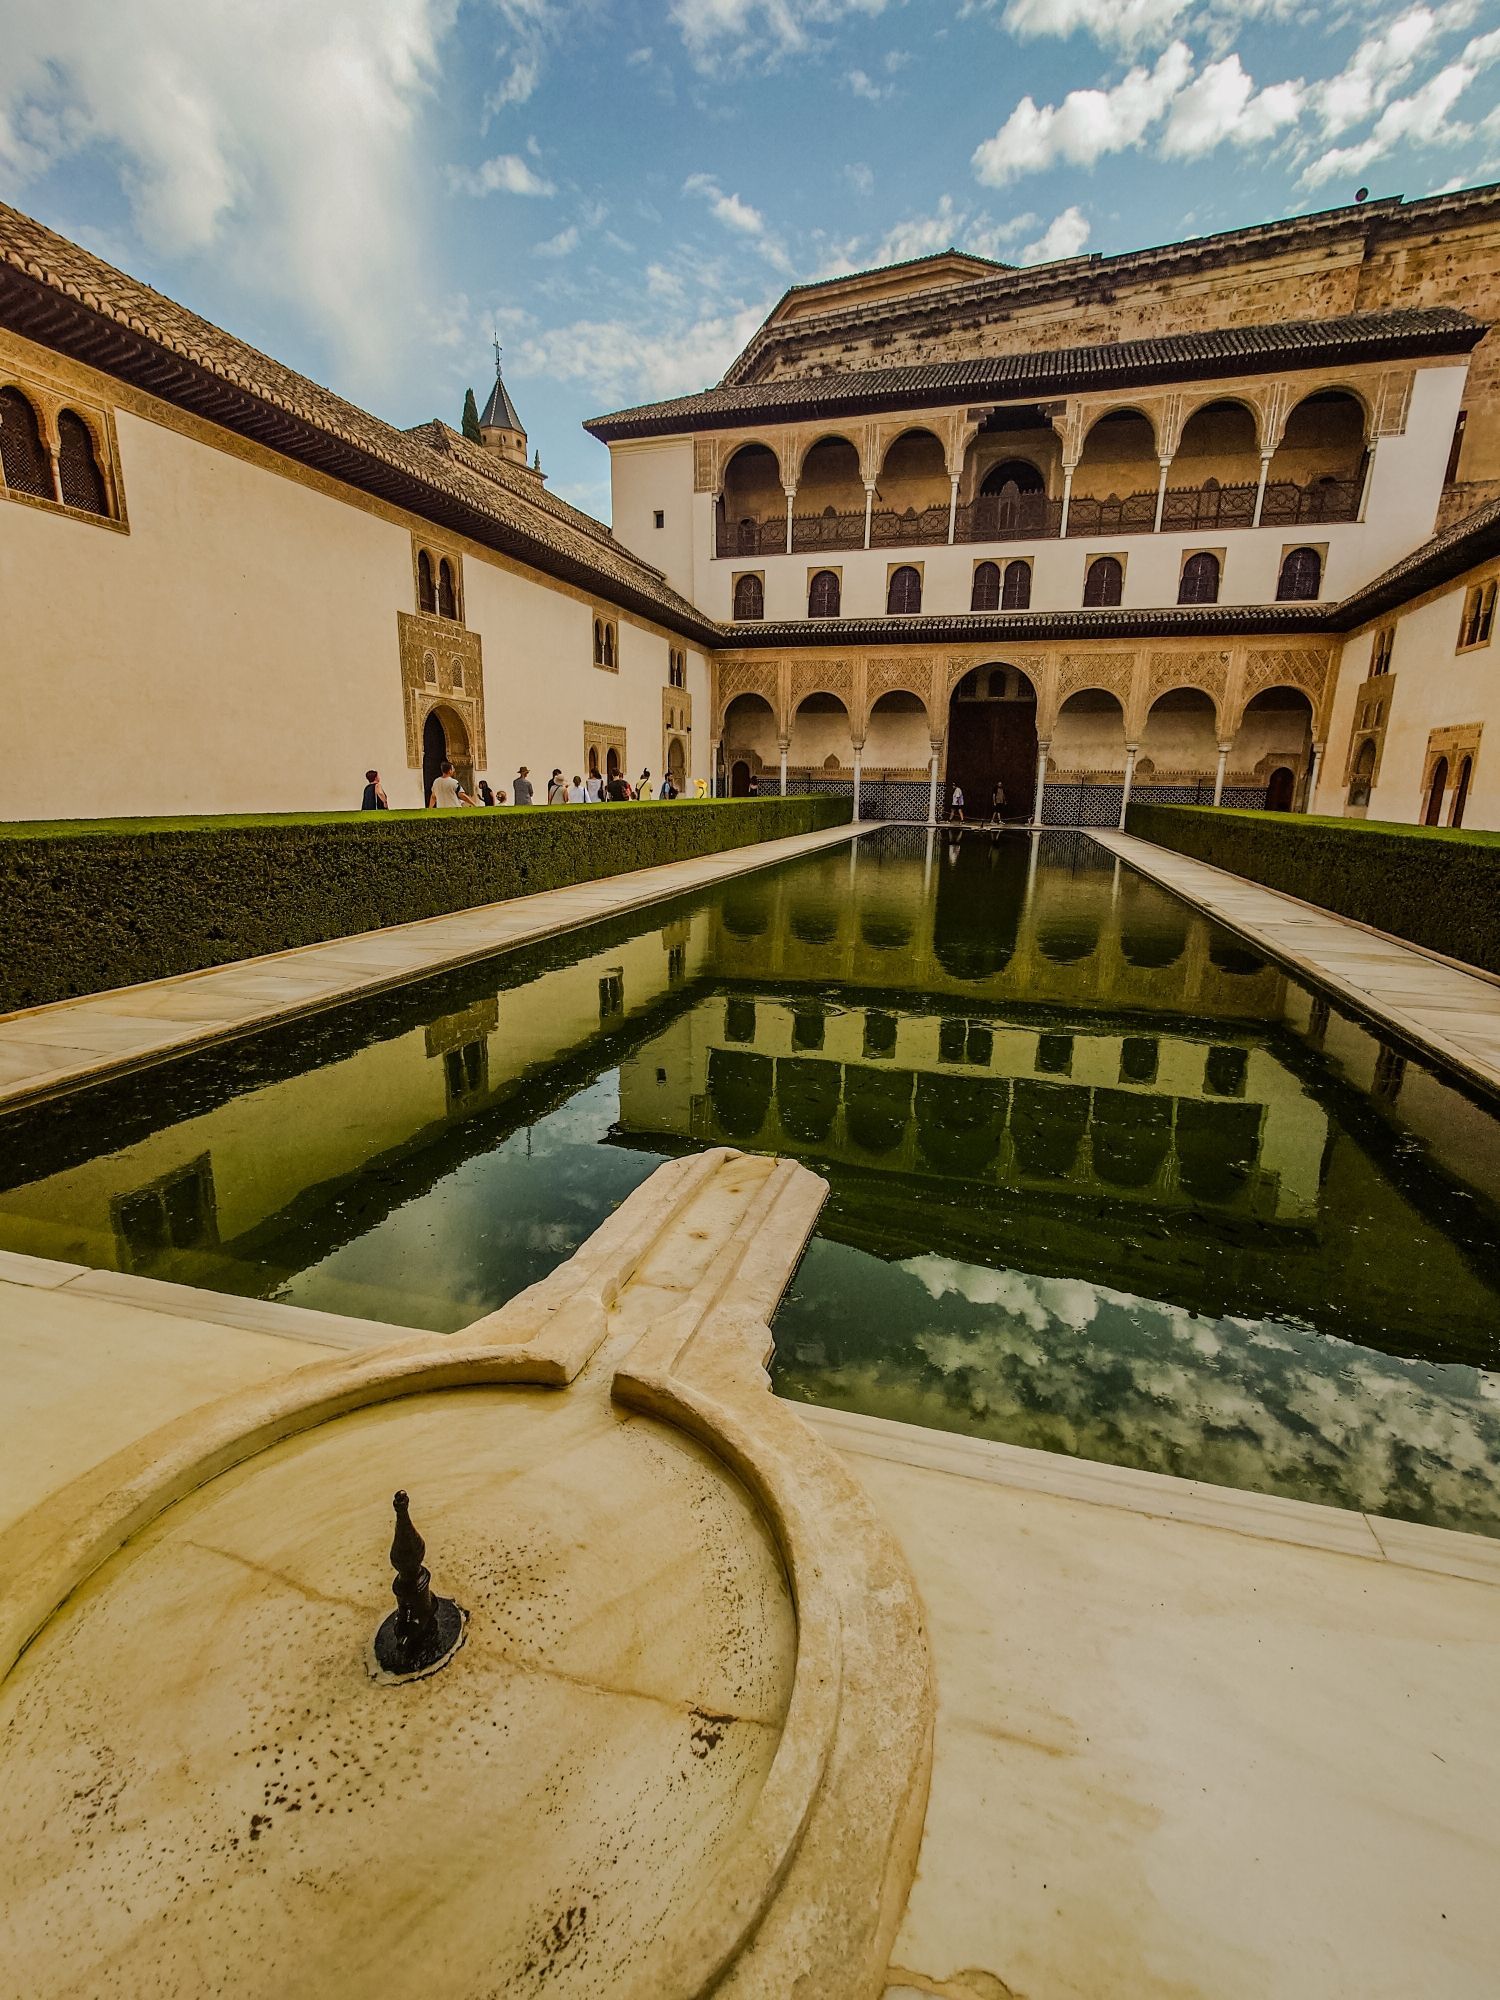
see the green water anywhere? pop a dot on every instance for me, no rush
(1101, 1179)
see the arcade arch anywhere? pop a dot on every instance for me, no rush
(1180, 742)
(992, 738)
(749, 734)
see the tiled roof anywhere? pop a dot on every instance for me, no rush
(65, 298)
(1054, 371)
(515, 478)
(1163, 621)
(1472, 540)
(499, 412)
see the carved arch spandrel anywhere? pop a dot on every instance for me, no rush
(1207, 672)
(1307, 668)
(912, 674)
(760, 677)
(1115, 673)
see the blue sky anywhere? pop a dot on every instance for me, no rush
(367, 187)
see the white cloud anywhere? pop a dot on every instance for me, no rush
(507, 173)
(286, 146)
(1064, 236)
(1222, 103)
(865, 86)
(741, 29)
(664, 284)
(738, 215)
(531, 26)
(563, 244)
(860, 177)
(1420, 118)
(948, 227)
(1128, 23)
(1378, 67)
(1086, 125)
(620, 359)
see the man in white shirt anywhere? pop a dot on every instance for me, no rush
(577, 796)
(446, 790)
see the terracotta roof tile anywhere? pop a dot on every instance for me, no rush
(1054, 371)
(62, 295)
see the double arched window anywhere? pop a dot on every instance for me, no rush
(26, 463)
(1105, 582)
(426, 588)
(1199, 583)
(1301, 576)
(994, 591)
(903, 594)
(676, 668)
(985, 595)
(749, 597)
(78, 471)
(447, 595)
(21, 450)
(824, 595)
(606, 645)
(438, 586)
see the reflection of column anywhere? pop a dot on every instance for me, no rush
(791, 495)
(1130, 750)
(1041, 780)
(1031, 860)
(927, 860)
(1067, 496)
(932, 785)
(1260, 491)
(1219, 773)
(1310, 795)
(869, 509)
(781, 750)
(1161, 492)
(952, 506)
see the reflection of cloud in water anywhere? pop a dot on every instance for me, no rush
(1069, 1366)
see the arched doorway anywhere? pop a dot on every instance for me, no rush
(1180, 743)
(1437, 785)
(611, 763)
(739, 779)
(1362, 778)
(677, 763)
(992, 739)
(1461, 792)
(1012, 500)
(822, 743)
(445, 739)
(749, 735)
(1279, 788)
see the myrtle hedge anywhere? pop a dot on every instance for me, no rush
(91, 904)
(1437, 886)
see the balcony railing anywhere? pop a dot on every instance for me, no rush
(1033, 517)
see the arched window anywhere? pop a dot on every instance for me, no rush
(1301, 576)
(749, 597)
(1436, 786)
(985, 595)
(77, 468)
(904, 591)
(447, 596)
(21, 454)
(676, 668)
(1200, 579)
(426, 593)
(824, 595)
(598, 642)
(1015, 594)
(1105, 582)
(609, 645)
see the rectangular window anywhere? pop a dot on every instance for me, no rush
(611, 996)
(659, 518)
(1456, 448)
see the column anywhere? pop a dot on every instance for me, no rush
(869, 510)
(1041, 780)
(859, 751)
(791, 495)
(1260, 491)
(781, 749)
(713, 766)
(932, 785)
(1219, 773)
(1364, 490)
(1067, 496)
(1130, 750)
(1312, 778)
(56, 465)
(952, 507)
(1161, 492)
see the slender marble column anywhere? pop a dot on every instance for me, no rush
(869, 510)
(932, 785)
(781, 749)
(1067, 497)
(791, 496)
(859, 751)
(1130, 750)
(952, 508)
(1161, 492)
(1219, 773)
(1312, 777)
(1260, 491)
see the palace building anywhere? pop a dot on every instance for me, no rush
(1217, 521)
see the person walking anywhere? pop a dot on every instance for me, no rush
(643, 788)
(618, 789)
(446, 790)
(374, 799)
(668, 789)
(997, 801)
(956, 805)
(486, 796)
(752, 787)
(577, 796)
(522, 787)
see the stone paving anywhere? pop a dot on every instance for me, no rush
(1451, 1013)
(44, 1050)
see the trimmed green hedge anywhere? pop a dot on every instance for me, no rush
(1436, 886)
(90, 904)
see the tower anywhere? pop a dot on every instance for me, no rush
(499, 426)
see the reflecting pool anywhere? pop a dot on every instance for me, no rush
(1103, 1180)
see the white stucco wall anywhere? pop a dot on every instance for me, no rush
(237, 649)
(1432, 686)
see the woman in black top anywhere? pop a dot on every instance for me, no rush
(374, 799)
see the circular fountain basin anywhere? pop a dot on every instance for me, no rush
(207, 1791)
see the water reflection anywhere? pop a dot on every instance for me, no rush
(1102, 1178)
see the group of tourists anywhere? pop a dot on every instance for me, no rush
(957, 814)
(590, 791)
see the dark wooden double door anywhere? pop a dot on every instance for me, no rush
(990, 740)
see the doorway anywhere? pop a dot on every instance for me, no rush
(1433, 816)
(434, 752)
(739, 779)
(1279, 790)
(992, 739)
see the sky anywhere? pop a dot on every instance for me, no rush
(371, 190)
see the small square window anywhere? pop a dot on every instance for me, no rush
(1054, 1055)
(1139, 1057)
(979, 1046)
(739, 1021)
(807, 1028)
(880, 1036)
(1224, 1072)
(953, 1041)
(611, 995)
(659, 518)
